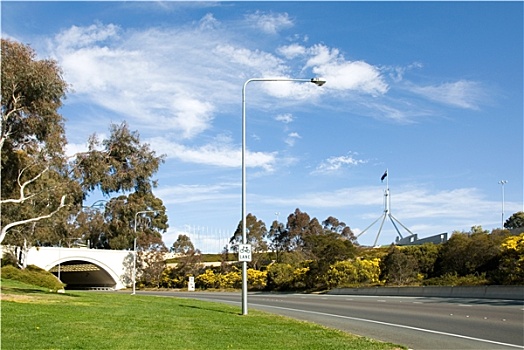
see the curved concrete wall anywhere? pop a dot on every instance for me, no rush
(480, 292)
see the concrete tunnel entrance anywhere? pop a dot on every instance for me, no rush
(77, 274)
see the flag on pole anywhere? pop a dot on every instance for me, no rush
(384, 176)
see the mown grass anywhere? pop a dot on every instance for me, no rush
(33, 318)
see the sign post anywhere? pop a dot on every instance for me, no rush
(191, 284)
(244, 252)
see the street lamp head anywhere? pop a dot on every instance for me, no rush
(318, 81)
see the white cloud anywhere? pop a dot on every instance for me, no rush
(73, 148)
(192, 116)
(293, 91)
(292, 138)
(462, 93)
(177, 79)
(333, 164)
(284, 118)
(197, 193)
(84, 36)
(270, 23)
(209, 22)
(220, 153)
(166, 75)
(265, 63)
(356, 75)
(341, 74)
(292, 51)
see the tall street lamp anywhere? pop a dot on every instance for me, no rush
(315, 81)
(503, 182)
(134, 244)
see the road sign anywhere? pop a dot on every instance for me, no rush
(191, 284)
(244, 252)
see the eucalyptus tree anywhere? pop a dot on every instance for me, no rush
(334, 225)
(515, 221)
(42, 190)
(256, 234)
(34, 179)
(189, 261)
(182, 245)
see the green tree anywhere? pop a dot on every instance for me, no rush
(117, 164)
(399, 268)
(39, 182)
(323, 250)
(34, 180)
(469, 253)
(190, 261)
(425, 255)
(182, 245)
(280, 276)
(291, 238)
(152, 265)
(277, 237)
(515, 221)
(334, 225)
(453, 256)
(300, 225)
(256, 235)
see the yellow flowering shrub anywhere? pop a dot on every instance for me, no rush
(206, 280)
(515, 243)
(353, 273)
(511, 269)
(231, 279)
(256, 279)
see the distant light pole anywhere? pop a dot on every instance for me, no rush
(503, 182)
(315, 81)
(134, 244)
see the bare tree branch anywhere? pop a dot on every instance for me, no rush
(22, 222)
(23, 186)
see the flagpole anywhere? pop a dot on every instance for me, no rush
(387, 189)
(387, 179)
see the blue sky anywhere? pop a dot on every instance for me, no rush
(431, 91)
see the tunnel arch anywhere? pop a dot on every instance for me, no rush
(84, 273)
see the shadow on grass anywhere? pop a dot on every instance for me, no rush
(18, 290)
(210, 308)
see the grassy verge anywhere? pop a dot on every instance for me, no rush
(33, 318)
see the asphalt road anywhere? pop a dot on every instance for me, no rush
(416, 322)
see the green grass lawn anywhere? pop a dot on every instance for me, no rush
(33, 318)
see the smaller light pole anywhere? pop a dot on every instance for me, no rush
(134, 245)
(59, 250)
(502, 182)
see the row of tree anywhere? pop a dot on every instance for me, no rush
(477, 257)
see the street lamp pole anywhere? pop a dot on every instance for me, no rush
(315, 81)
(502, 182)
(134, 245)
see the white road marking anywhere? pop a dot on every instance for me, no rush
(394, 325)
